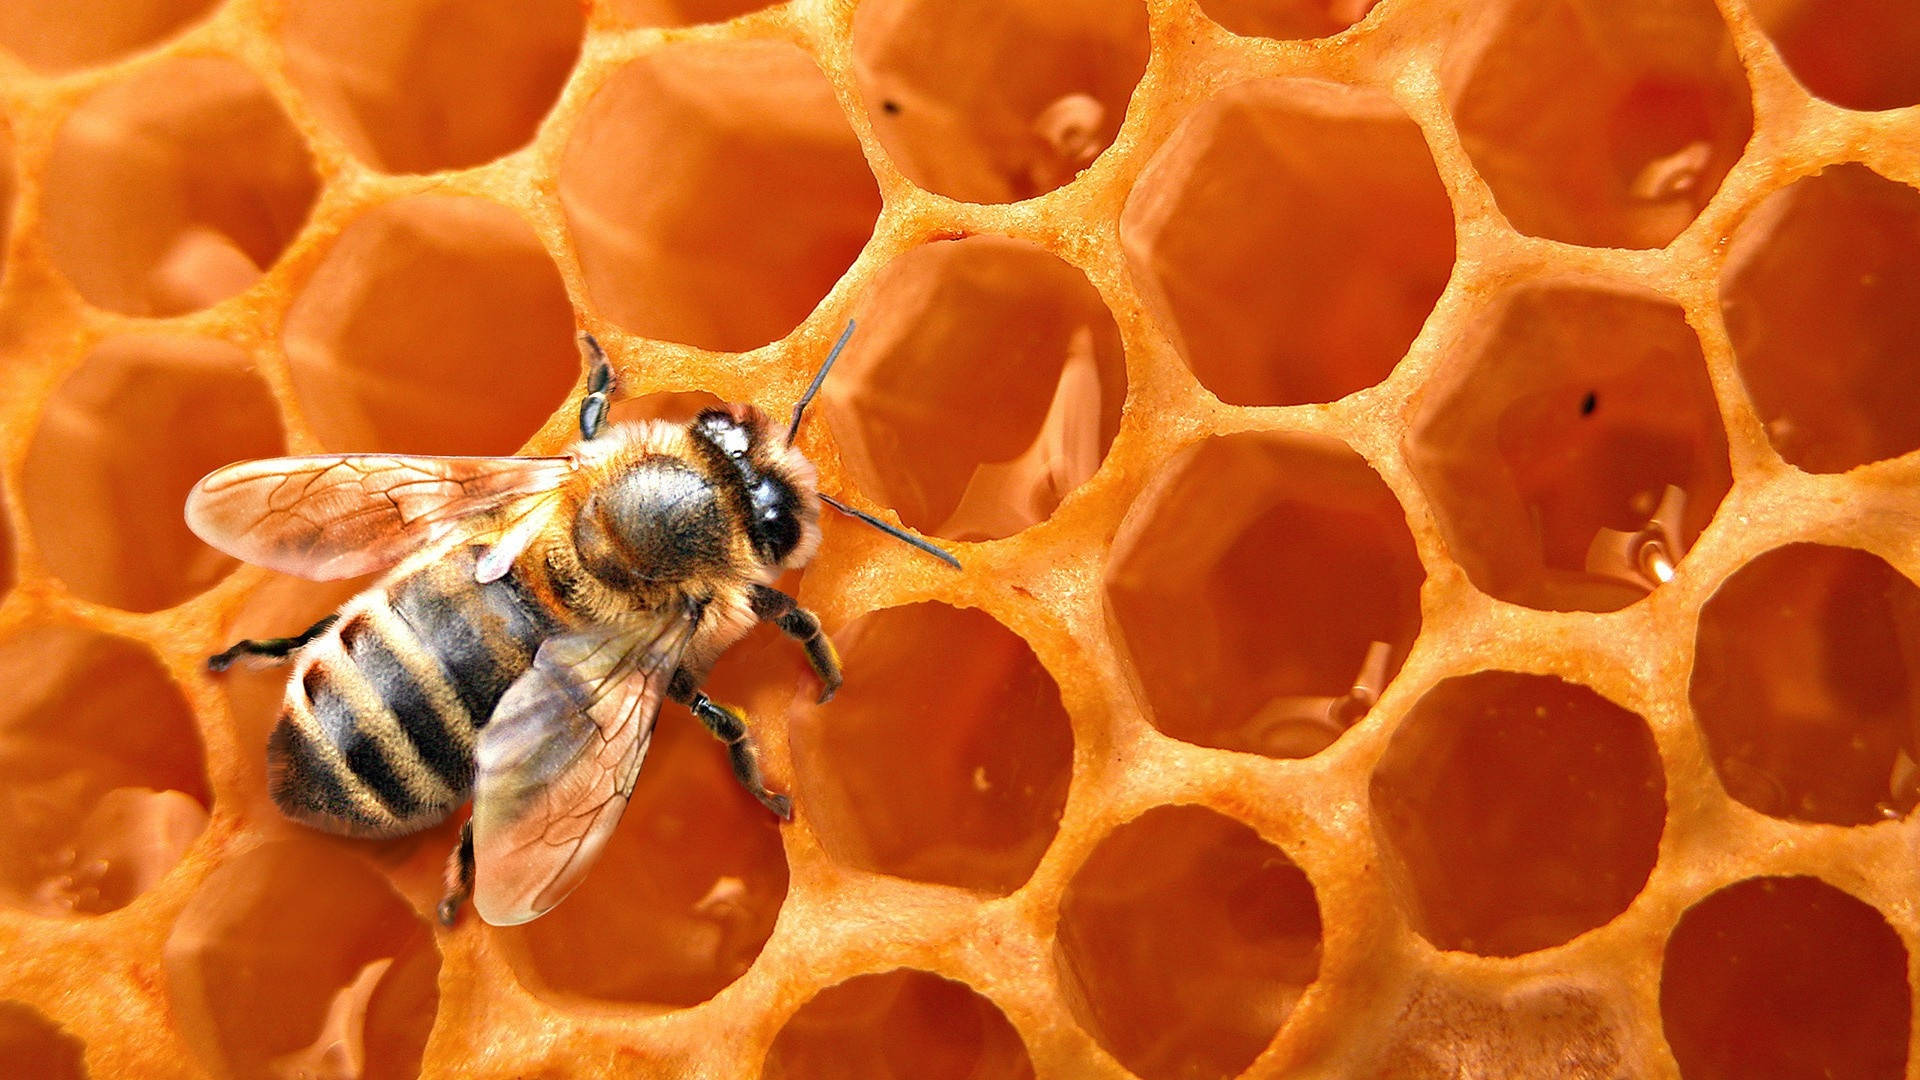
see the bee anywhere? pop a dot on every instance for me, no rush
(535, 614)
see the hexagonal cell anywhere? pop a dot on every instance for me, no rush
(994, 101)
(683, 897)
(1828, 270)
(175, 189)
(1294, 236)
(1287, 18)
(425, 85)
(1266, 589)
(715, 193)
(1550, 1028)
(983, 386)
(295, 959)
(964, 786)
(77, 33)
(1804, 681)
(32, 1045)
(117, 448)
(1573, 447)
(1778, 978)
(1517, 812)
(101, 783)
(680, 12)
(1608, 123)
(435, 325)
(1857, 54)
(1185, 941)
(902, 1025)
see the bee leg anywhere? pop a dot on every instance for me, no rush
(729, 725)
(803, 626)
(459, 876)
(279, 647)
(594, 407)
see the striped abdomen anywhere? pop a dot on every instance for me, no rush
(376, 736)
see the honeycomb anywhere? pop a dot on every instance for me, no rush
(1436, 480)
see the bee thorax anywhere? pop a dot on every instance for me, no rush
(661, 522)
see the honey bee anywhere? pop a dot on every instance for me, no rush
(536, 613)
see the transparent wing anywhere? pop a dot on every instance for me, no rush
(343, 515)
(558, 759)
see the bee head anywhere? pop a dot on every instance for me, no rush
(776, 482)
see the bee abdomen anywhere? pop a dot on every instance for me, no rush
(483, 636)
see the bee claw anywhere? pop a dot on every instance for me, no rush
(826, 694)
(779, 804)
(220, 661)
(449, 912)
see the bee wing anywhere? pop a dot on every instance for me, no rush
(342, 515)
(558, 759)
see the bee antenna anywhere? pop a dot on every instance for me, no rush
(800, 408)
(932, 549)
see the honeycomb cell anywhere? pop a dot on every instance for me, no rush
(1295, 235)
(960, 782)
(117, 449)
(1572, 447)
(1608, 123)
(1778, 978)
(1542, 1029)
(902, 1025)
(101, 783)
(1186, 939)
(175, 189)
(33, 1046)
(997, 100)
(1287, 18)
(1857, 54)
(680, 12)
(434, 325)
(715, 193)
(683, 897)
(983, 386)
(296, 959)
(55, 38)
(1822, 301)
(1804, 683)
(1517, 812)
(1266, 589)
(424, 85)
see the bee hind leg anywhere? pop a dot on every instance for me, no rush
(798, 623)
(459, 876)
(729, 725)
(278, 648)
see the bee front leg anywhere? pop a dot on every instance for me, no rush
(729, 725)
(459, 876)
(278, 648)
(803, 626)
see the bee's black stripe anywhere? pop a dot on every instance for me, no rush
(303, 782)
(363, 755)
(409, 702)
(483, 635)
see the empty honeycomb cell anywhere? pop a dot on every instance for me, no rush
(1778, 978)
(1855, 53)
(960, 780)
(1572, 447)
(33, 1046)
(1804, 680)
(117, 448)
(998, 100)
(73, 34)
(682, 898)
(1287, 18)
(681, 12)
(1599, 122)
(983, 387)
(902, 1025)
(1551, 1028)
(1294, 234)
(175, 189)
(424, 85)
(101, 782)
(1266, 589)
(1186, 940)
(715, 193)
(296, 959)
(1517, 811)
(1821, 295)
(435, 325)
